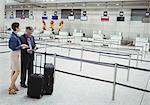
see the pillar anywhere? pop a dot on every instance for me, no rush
(2, 15)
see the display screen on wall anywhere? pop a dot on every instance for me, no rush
(44, 17)
(104, 18)
(19, 13)
(31, 17)
(84, 18)
(71, 18)
(137, 14)
(11, 17)
(120, 18)
(54, 17)
(66, 12)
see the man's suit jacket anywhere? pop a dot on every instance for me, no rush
(25, 56)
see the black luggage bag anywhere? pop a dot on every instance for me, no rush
(36, 83)
(49, 78)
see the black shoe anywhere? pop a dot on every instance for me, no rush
(24, 85)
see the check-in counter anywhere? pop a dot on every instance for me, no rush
(139, 41)
(77, 37)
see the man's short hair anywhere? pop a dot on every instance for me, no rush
(15, 25)
(29, 28)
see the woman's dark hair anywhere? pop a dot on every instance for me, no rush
(14, 26)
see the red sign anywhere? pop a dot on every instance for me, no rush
(104, 18)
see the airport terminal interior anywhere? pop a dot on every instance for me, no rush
(99, 50)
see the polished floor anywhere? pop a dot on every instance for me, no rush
(72, 90)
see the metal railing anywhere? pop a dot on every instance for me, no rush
(94, 50)
(3, 43)
(131, 47)
(116, 66)
(3, 52)
(99, 52)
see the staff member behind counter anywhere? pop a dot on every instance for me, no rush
(27, 55)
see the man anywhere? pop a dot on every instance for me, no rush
(27, 55)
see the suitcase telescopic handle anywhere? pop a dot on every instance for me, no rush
(36, 62)
(45, 52)
(45, 57)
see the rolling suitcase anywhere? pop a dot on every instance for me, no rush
(36, 83)
(49, 78)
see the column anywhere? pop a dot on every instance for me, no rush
(2, 15)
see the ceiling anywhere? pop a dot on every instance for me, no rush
(75, 3)
(65, 1)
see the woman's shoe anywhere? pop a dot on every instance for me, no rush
(16, 88)
(11, 91)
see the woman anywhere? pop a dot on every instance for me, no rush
(15, 45)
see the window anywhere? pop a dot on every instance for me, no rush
(19, 13)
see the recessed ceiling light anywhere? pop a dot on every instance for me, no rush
(98, 4)
(117, 4)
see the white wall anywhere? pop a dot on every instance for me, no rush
(129, 28)
(2, 12)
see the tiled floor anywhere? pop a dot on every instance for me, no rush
(72, 90)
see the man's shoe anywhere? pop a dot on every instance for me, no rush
(24, 85)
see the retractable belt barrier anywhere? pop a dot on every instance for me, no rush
(95, 62)
(104, 52)
(98, 63)
(84, 49)
(4, 42)
(4, 52)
